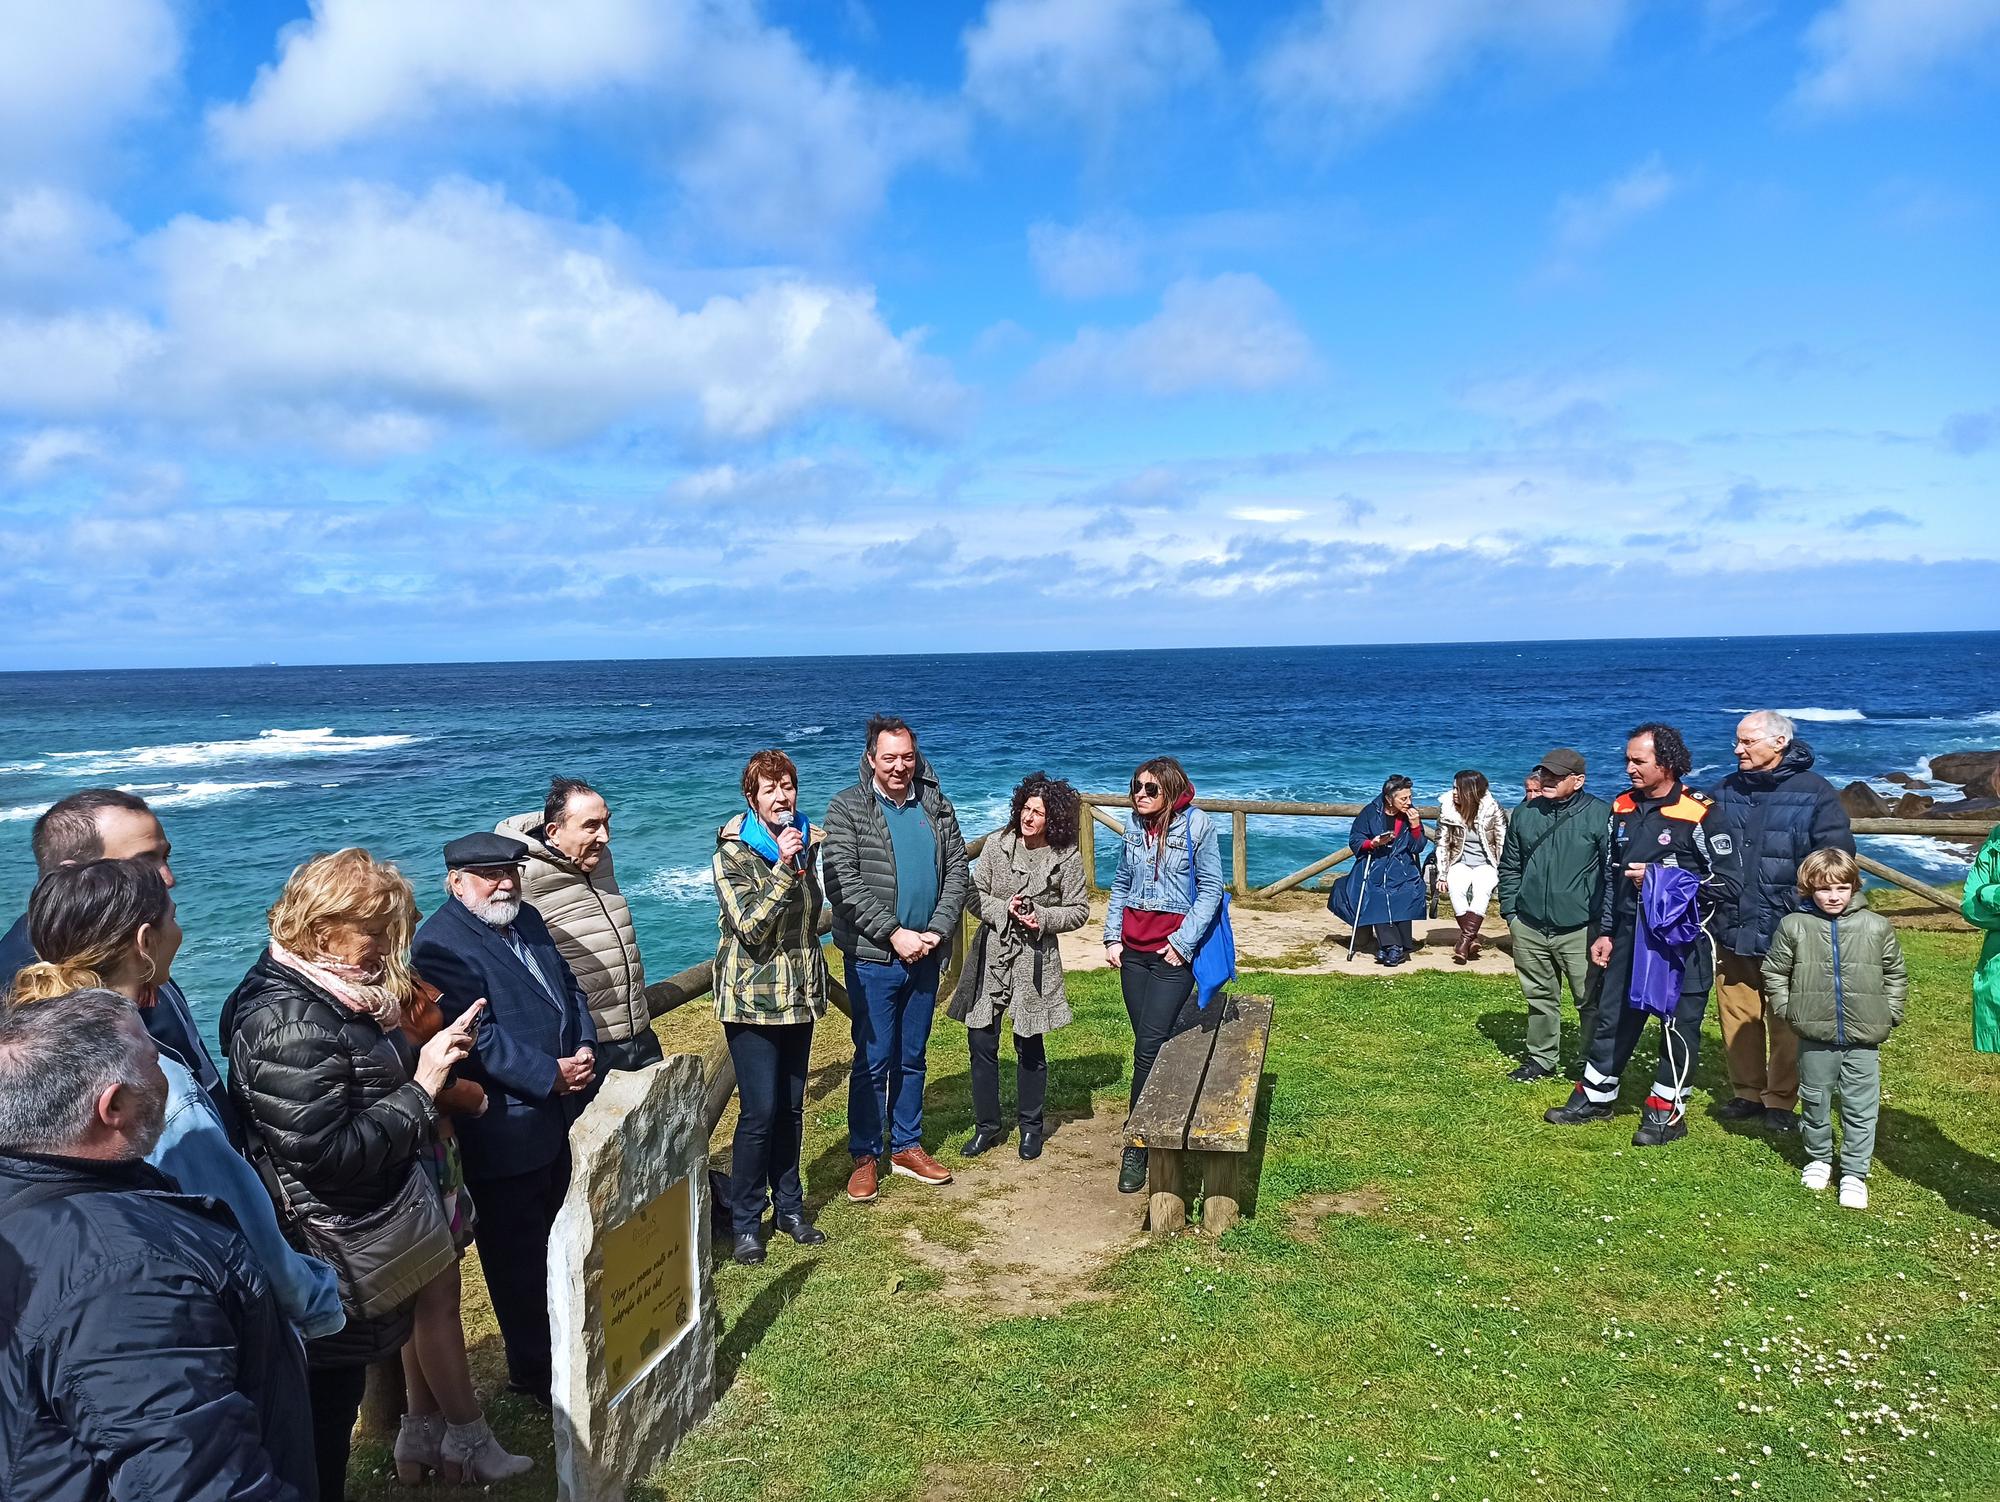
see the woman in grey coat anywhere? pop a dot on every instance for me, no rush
(1029, 886)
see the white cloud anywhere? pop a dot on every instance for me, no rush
(1344, 66)
(1876, 51)
(1087, 260)
(774, 146)
(361, 67)
(1584, 222)
(368, 320)
(41, 453)
(72, 73)
(52, 240)
(1229, 332)
(1029, 60)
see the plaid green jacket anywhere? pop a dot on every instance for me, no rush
(768, 964)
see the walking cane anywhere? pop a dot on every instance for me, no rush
(1354, 923)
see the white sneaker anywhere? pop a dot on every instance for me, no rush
(1853, 1193)
(1817, 1176)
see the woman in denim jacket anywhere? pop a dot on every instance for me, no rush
(1163, 901)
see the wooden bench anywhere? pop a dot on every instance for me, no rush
(1195, 1114)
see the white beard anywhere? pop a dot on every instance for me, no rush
(496, 912)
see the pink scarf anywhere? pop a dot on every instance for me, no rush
(360, 991)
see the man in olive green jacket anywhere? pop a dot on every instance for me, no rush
(1557, 846)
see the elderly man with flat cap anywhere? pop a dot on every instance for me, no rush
(534, 1053)
(1557, 844)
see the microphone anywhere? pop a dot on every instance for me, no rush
(784, 819)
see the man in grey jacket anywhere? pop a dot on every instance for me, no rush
(568, 880)
(896, 879)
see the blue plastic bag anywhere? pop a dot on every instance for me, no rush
(1214, 961)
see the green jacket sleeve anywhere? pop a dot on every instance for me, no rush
(1982, 886)
(1510, 871)
(1895, 977)
(956, 876)
(753, 901)
(1778, 971)
(846, 887)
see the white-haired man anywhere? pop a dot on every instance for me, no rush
(1772, 812)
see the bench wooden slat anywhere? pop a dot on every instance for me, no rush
(1160, 1118)
(1221, 1119)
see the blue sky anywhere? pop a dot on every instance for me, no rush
(365, 330)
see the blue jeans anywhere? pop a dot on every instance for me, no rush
(893, 1006)
(771, 1062)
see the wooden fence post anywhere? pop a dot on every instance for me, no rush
(1239, 853)
(1086, 844)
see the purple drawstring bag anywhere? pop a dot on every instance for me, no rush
(1669, 923)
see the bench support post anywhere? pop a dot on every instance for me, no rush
(1219, 1208)
(1166, 1191)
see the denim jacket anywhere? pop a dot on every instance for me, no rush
(195, 1152)
(1136, 885)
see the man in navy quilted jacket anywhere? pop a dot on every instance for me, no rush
(1773, 812)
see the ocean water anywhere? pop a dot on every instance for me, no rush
(254, 769)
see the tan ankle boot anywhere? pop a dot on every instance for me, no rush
(470, 1453)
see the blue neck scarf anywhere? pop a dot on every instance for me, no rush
(760, 839)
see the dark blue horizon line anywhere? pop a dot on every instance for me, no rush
(1545, 641)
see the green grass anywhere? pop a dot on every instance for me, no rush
(1530, 1311)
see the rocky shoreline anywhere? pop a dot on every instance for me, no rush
(1974, 774)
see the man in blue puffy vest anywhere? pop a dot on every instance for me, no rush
(1772, 812)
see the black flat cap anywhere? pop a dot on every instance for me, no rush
(483, 849)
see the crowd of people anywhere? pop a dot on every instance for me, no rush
(199, 1263)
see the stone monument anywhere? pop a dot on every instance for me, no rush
(631, 1299)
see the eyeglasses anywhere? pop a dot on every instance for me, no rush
(1150, 789)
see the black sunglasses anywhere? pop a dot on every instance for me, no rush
(1150, 789)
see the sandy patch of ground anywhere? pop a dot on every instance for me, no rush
(1042, 1230)
(1298, 936)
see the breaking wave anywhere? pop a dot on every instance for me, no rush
(678, 884)
(266, 745)
(160, 795)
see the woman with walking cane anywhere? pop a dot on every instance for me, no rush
(1387, 892)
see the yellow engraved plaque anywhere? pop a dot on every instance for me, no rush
(648, 1291)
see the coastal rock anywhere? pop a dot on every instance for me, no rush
(1905, 780)
(631, 1295)
(1962, 767)
(1862, 802)
(1912, 806)
(1985, 785)
(1977, 809)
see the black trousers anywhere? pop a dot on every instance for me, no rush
(1156, 993)
(334, 1393)
(1392, 935)
(516, 1214)
(771, 1064)
(627, 1054)
(1031, 1076)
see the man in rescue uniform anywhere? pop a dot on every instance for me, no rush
(1660, 820)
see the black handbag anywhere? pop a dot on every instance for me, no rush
(382, 1256)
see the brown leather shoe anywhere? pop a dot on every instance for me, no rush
(861, 1184)
(919, 1164)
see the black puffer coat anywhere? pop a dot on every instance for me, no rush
(1771, 821)
(142, 1352)
(330, 1095)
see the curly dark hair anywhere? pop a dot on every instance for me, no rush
(1669, 749)
(1064, 806)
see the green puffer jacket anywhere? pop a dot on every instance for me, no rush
(1857, 1002)
(1552, 860)
(860, 867)
(1982, 907)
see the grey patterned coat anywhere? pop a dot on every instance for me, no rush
(1008, 967)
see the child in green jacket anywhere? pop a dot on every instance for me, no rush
(1835, 973)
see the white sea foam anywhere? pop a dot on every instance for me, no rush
(687, 884)
(1825, 716)
(800, 732)
(1927, 851)
(21, 766)
(162, 795)
(267, 745)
